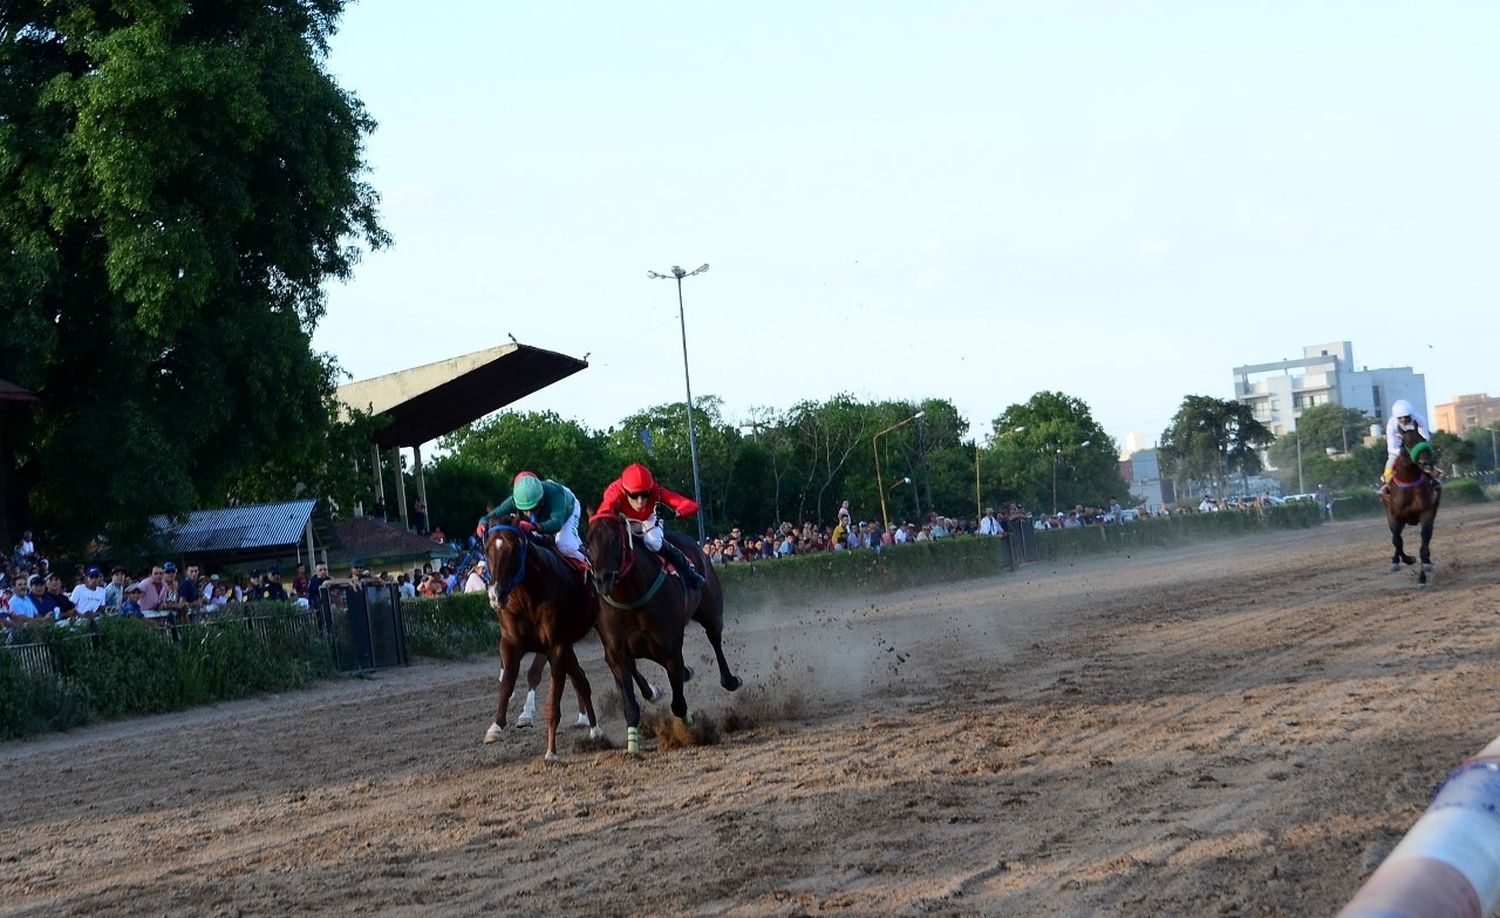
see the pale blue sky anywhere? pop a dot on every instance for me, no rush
(1118, 200)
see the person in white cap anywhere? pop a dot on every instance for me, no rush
(475, 583)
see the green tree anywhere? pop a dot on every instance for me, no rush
(1485, 441)
(538, 441)
(1050, 451)
(718, 449)
(1455, 452)
(829, 436)
(458, 490)
(1335, 427)
(1212, 439)
(177, 182)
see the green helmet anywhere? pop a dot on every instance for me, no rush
(528, 492)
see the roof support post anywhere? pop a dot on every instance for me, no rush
(401, 489)
(416, 455)
(379, 503)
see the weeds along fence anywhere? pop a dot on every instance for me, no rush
(450, 627)
(1360, 504)
(60, 677)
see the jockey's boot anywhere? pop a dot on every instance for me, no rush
(679, 560)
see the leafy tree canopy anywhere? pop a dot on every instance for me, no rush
(1052, 437)
(177, 182)
(1212, 439)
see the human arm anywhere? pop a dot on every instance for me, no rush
(683, 506)
(558, 503)
(613, 500)
(506, 507)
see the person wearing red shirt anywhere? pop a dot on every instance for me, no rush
(635, 495)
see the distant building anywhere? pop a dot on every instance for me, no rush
(1142, 472)
(1279, 392)
(1134, 443)
(1466, 412)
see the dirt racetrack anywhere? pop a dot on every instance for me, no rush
(1243, 727)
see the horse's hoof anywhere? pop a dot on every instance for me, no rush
(1395, 568)
(656, 692)
(494, 734)
(687, 673)
(1426, 565)
(551, 757)
(583, 721)
(733, 683)
(1421, 584)
(596, 733)
(527, 718)
(687, 718)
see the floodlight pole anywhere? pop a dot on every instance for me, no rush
(885, 517)
(678, 274)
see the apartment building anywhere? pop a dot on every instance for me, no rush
(1465, 412)
(1279, 392)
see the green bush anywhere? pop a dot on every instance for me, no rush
(450, 627)
(899, 567)
(1358, 504)
(1464, 491)
(128, 666)
(31, 703)
(893, 568)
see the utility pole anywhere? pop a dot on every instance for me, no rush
(679, 274)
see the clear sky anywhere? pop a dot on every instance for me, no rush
(975, 201)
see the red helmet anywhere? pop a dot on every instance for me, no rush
(636, 479)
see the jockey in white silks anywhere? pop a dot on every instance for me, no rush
(1403, 418)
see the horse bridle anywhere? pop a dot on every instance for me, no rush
(627, 563)
(502, 592)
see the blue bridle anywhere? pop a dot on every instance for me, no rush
(524, 540)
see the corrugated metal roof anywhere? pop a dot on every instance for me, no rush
(238, 528)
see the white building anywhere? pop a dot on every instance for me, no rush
(1279, 392)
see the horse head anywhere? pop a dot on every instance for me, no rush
(506, 551)
(611, 549)
(1416, 449)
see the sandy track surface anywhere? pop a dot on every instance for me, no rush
(1243, 727)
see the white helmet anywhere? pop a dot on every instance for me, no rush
(1402, 409)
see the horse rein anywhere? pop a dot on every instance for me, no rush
(627, 563)
(520, 574)
(1412, 452)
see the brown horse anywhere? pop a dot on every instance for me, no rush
(544, 607)
(643, 613)
(1412, 500)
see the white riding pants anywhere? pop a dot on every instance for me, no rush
(567, 537)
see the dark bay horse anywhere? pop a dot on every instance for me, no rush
(643, 612)
(544, 607)
(1412, 500)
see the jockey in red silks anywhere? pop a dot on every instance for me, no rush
(635, 495)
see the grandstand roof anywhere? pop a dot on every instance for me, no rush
(10, 392)
(426, 402)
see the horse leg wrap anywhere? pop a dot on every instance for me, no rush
(633, 740)
(688, 718)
